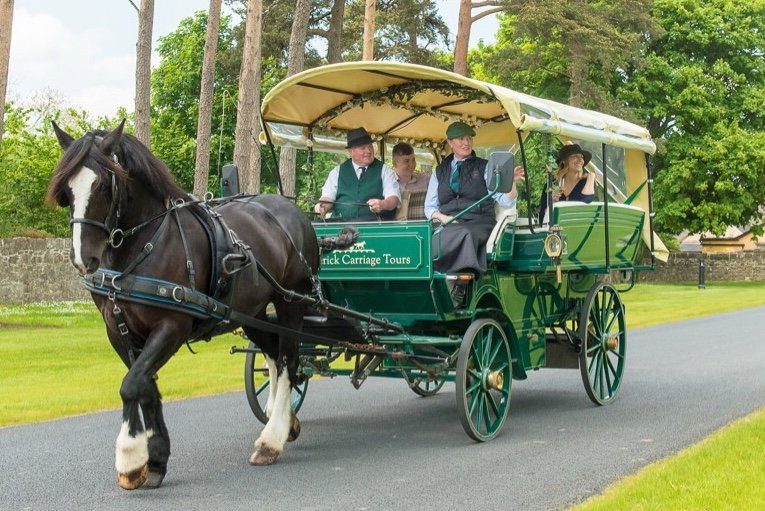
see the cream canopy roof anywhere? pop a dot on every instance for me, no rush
(415, 103)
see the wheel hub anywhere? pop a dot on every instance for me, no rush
(493, 379)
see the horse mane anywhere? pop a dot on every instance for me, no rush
(134, 161)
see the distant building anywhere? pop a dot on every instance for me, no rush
(735, 239)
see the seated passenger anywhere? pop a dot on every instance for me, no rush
(362, 187)
(573, 183)
(404, 165)
(460, 180)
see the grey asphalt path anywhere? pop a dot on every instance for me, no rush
(385, 448)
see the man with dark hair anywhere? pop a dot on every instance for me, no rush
(404, 164)
(362, 187)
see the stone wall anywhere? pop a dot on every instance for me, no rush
(38, 270)
(684, 267)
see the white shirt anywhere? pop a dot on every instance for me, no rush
(431, 197)
(389, 182)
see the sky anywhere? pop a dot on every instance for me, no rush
(84, 50)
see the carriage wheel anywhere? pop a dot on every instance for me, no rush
(419, 380)
(421, 384)
(484, 375)
(602, 333)
(257, 381)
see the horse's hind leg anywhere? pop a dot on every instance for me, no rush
(282, 423)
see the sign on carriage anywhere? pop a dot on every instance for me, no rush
(383, 251)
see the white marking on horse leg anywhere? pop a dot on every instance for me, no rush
(131, 453)
(277, 429)
(82, 186)
(272, 375)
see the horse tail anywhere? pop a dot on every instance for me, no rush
(344, 239)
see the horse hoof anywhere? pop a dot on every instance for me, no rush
(294, 429)
(263, 456)
(154, 480)
(134, 479)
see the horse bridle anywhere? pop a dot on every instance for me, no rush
(112, 218)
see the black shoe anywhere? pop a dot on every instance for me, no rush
(458, 292)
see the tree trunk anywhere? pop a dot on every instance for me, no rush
(369, 30)
(143, 72)
(6, 22)
(204, 120)
(295, 65)
(463, 38)
(246, 144)
(334, 50)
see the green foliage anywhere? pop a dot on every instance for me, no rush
(175, 94)
(405, 30)
(566, 51)
(702, 90)
(30, 154)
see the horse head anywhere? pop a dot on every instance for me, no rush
(89, 180)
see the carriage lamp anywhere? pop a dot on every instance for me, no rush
(553, 245)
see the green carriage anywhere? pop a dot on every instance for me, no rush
(551, 294)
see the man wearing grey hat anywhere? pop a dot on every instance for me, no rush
(460, 180)
(362, 187)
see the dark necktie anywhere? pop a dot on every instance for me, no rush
(361, 171)
(454, 182)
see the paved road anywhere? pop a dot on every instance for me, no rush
(384, 448)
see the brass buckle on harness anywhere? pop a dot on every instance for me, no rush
(176, 289)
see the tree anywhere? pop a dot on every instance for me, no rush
(464, 22)
(143, 71)
(296, 61)
(406, 30)
(246, 145)
(6, 23)
(176, 83)
(702, 93)
(204, 122)
(369, 30)
(574, 52)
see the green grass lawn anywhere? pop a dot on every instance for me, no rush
(61, 362)
(724, 471)
(55, 361)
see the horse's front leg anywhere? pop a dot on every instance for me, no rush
(134, 449)
(282, 423)
(159, 441)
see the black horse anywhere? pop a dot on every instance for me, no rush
(120, 196)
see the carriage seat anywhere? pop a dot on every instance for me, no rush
(505, 217)
(412, 205)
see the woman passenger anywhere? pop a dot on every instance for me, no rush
(573, 183)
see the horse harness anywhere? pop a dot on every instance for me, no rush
(229, 256)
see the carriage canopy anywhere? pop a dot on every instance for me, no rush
(398, 102)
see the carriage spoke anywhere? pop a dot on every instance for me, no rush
(494, 354)
(481, 405)
(493, 404)
(486, 418)
(473, 387)
(262, 387)
(487, 347)
(604, 365)
(593, 348)
(613, 369)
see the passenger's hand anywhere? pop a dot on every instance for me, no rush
(556, 196)
(375, 205)
(518, 173)
(321, 209)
